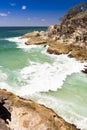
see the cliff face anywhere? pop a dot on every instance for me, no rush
(68, 37)
(20, 114)
(73, 25)
(75, 28)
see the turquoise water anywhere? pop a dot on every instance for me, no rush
(53, 80)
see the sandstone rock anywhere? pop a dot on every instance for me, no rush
(27, 115)
(35, 41)
(68, 37)
(57, 48)
(31, 34)
(36, 38)
(61, 46)
(78, 52)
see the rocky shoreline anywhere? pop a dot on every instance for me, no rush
(19, 114)
(57, 46)
(67, 38)
(70, 37)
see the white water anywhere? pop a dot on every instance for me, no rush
(37, 77)
(42, 77)
(21, 43)
(64, 109)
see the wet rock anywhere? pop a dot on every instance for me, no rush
(85, 70)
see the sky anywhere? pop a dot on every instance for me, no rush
(33, 12)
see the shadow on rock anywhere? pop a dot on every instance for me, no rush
(4, 113)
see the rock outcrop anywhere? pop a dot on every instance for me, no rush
(19, 114)
(68, 37)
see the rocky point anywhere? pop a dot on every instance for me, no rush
(19, 114)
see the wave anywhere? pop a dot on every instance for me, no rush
(21, 43)
(42, 77)
(39, 77)
(64, 109)
(30, 81)
(3, 76)
(3, 81)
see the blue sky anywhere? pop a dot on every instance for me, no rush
(33, 12)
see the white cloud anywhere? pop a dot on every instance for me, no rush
(3, 14)
(13, 4)
(24, 7)
(43, 20)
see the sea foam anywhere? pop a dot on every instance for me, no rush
(3, 76)
(64, 109)
(21, 43)
(44, 77)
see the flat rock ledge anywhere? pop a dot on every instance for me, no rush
(57, 46)
(19, 114)
(36, 41)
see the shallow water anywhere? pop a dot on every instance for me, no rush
(53, 80)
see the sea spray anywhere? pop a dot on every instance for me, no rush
(21, 43)
(18, 40)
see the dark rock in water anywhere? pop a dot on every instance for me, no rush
(85, 71)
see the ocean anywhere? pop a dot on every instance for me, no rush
(53, 80)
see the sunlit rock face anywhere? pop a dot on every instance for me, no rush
(70, 37)
(20, 114)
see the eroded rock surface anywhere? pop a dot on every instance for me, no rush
(20, 114)
(68, 37)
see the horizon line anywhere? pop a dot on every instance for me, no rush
(25, 26)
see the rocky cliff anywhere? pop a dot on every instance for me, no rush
(20, 114)
(68, 37)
